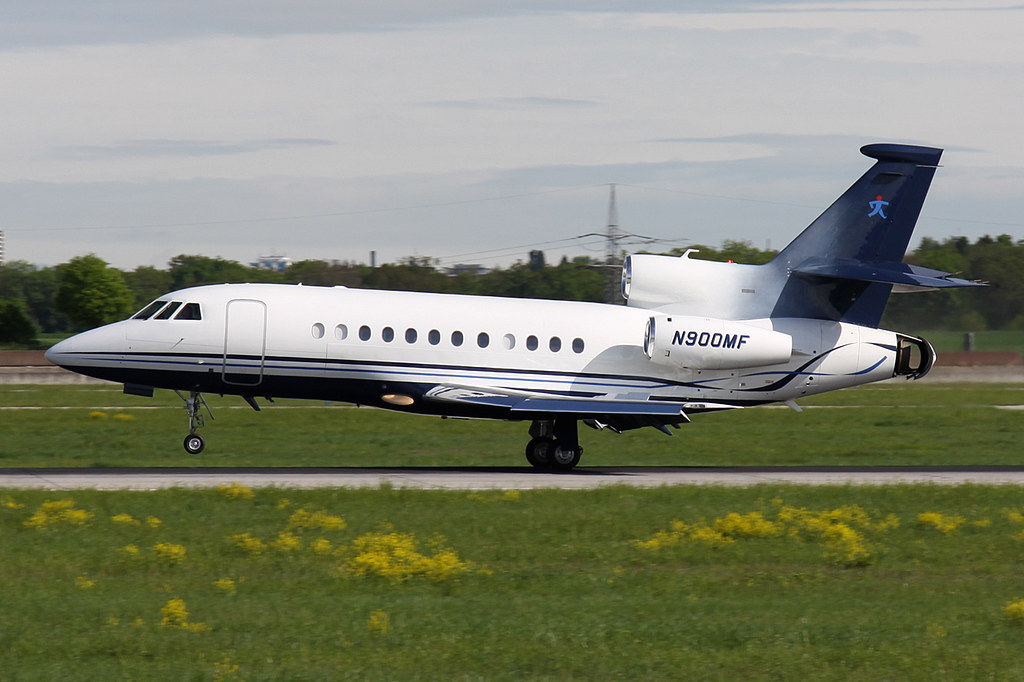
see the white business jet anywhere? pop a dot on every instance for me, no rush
(696, 336)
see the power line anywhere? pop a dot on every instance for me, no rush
(308, 216)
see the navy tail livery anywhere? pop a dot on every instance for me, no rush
(696, 336)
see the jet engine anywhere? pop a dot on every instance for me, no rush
(709, 343)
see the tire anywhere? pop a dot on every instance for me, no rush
(539, 452)
(565, 459)
(194, 444)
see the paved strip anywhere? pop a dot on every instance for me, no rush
(495, 478)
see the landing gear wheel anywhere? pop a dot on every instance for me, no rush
(539, 452)
(564, 459)
(194, 443)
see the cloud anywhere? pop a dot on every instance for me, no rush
(514, 103)
(186, 148)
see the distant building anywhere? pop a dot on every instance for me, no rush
(272, 263)
(467, 269)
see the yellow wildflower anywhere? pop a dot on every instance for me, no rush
(8, 503)
(1015, 611)
(236, 491)
(153, 522)
(96, 414)
(123, 416)
(709, 536)
(59, 511)
(84, 583)
(249, 543)
(174, 614)
(286, 542)
(169, 552)
(394, 556)
(225, 584)
(126, 519)
(130, 550)
(321, 547)
(845, 545)
(752, 525)
(223, 670)
(942, 522)
(1014, 515)
(379, 622)
(303, 518)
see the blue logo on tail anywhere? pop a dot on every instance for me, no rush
(878, 207)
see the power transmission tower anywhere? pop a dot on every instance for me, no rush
(614, 239)
(612, 251)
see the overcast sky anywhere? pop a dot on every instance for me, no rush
(471, 133)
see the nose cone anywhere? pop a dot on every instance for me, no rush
(95, 353)
(59, 352)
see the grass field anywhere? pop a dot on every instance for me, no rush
(767, 583)
(762, 583)
(897, 423)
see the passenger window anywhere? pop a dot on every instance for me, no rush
(434, 337)
(577, 345)
(531, 342)
(190, 311)
(317, 330)
(456, 339)
(388, 334)
(508, 342)
(166, 313)
(555, 344)
(483, 340)
(148, 311)
(341, 332)
(410, 335)
(364, 333)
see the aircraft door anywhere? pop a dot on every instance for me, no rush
(245, 342)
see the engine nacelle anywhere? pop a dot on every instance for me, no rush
(700, 288)
(709, 343)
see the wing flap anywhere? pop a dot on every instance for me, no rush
(532, 403)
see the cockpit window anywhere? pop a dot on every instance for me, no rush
(148, 311)
(190, 311)
(166, 313)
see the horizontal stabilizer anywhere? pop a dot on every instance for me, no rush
(902, 153)
(885, 273)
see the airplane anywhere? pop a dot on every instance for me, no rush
(694, 336)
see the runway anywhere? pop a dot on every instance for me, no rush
(496, 478)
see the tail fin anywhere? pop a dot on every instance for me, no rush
(844, 265)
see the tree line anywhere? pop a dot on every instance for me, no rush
(86, 292)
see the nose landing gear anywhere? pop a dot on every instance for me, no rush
(194, 443)
(555, 445)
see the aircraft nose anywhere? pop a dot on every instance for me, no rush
(57, 354)
(95, 348)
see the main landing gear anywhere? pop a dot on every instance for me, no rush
(194, 443)
(555, 445)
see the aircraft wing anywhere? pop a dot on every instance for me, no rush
(621, 413)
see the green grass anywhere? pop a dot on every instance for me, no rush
(559, 589)
(896, 424)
